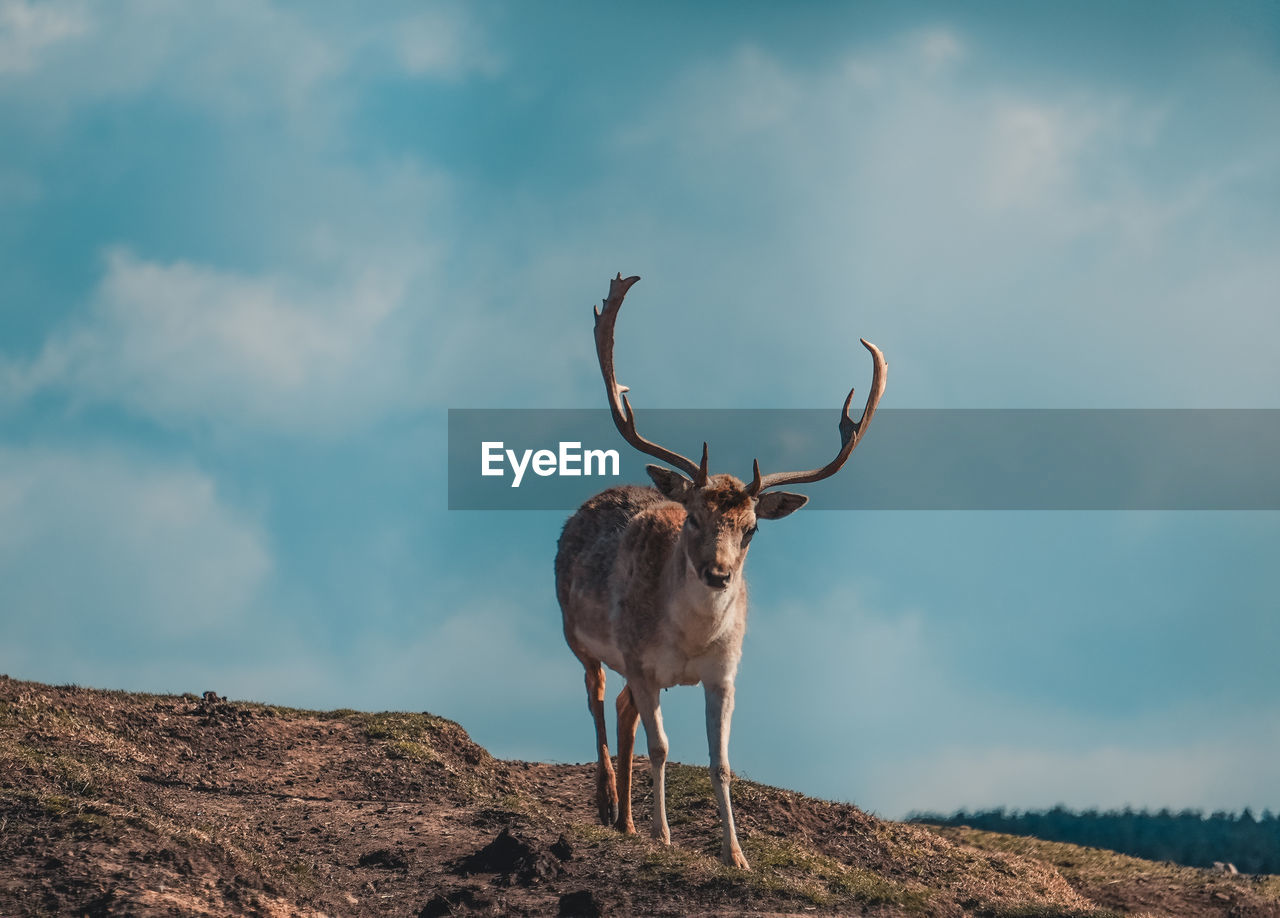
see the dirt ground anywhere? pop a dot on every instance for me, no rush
(127, 804)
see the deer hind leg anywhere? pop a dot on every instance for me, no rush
(645, 697)
(606, 790)
(628, 717)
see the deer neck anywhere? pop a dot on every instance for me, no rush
(700, 614)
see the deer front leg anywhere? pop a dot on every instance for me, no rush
(719, 697)
(645, 697)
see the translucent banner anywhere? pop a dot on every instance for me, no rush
(911, 459)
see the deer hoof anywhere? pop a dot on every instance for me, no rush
(608, 814)
(606, 806)
(734, 858)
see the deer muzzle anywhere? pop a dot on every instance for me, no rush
(715, 576)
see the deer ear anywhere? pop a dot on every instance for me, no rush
(673, 485)
(774, 505)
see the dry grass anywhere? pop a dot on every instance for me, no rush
(238, 807)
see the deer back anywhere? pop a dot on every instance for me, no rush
(587, 552)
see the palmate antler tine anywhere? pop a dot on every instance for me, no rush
(850, 433)
(624, 417)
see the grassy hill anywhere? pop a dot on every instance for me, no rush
(117, 803)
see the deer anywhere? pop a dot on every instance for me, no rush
(650, 583)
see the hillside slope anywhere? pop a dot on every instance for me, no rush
(116, 803)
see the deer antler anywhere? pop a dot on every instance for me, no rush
(619, 405)
(850, 433)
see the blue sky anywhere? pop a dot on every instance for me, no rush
(251, 253)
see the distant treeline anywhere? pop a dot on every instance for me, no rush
(1250, 842)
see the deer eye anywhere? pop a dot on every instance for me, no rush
(746, 536)
(692, 523)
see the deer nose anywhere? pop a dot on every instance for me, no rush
(716, 578)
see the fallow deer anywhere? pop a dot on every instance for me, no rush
(650, 583)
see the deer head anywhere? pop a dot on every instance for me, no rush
(721, 511)
(720, 519)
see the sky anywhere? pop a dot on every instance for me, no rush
(252, 252)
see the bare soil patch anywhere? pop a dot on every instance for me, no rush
(115, 803)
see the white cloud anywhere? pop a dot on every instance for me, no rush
(187, 344)
(443, 41)
(327, 352)
(890, 717)
(97, 547)
(371, 308)
(487, 664)
(849, 651)
(981, 230)
(448, 668)
(940, 47)
(28, 30)
(237, 57)
(1228, 775)
(1031, 151)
